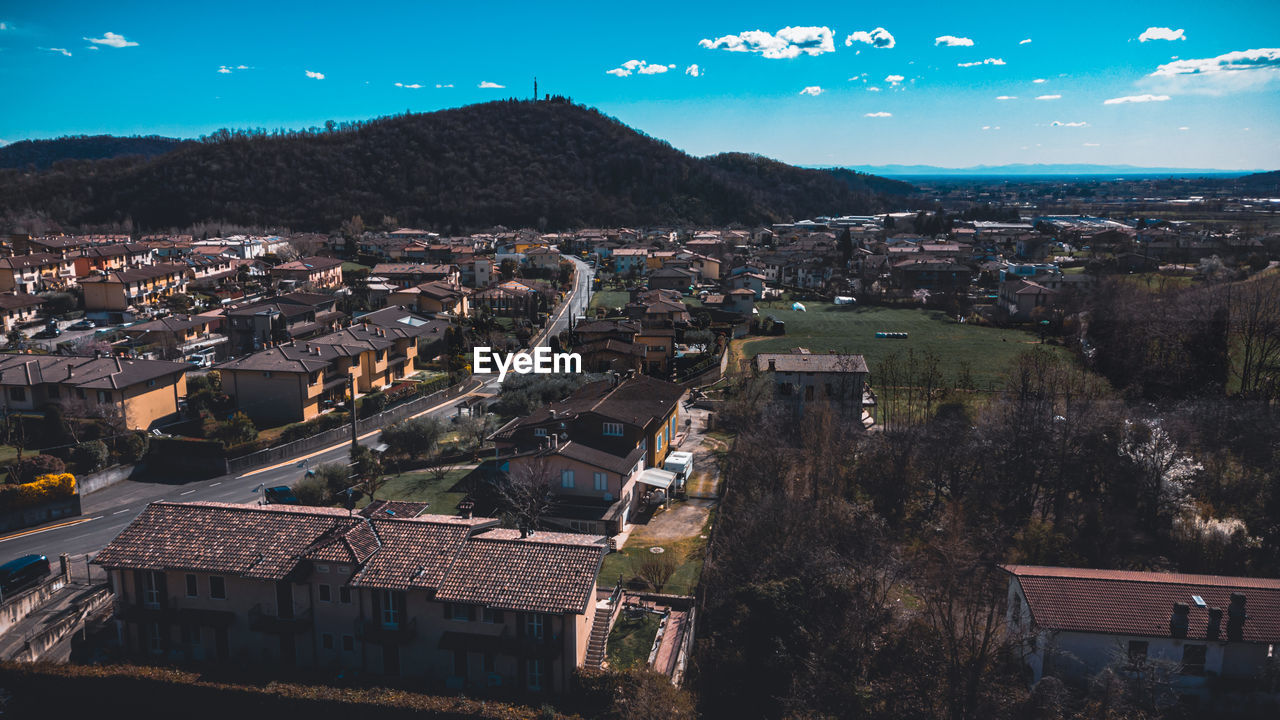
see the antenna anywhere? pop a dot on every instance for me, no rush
(535, 88)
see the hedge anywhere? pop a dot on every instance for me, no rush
(45, 488)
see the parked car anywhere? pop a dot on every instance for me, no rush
(19, 574)
(281, 495)
(50, 331)
(85, 324)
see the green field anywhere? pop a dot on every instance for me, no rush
(989, 351)
(418, 487)
(631, 639)
(610, 299)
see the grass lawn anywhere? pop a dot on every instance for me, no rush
(1158, 282)
(689, 553)
(989, 351)
(354, 266)
(418, 487)
(631, 639)
(610, 298)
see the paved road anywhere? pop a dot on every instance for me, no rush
(107, 511)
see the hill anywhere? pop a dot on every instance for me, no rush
(548, 164)
(41, 154)
(1036, 170)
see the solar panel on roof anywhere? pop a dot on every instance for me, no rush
(1199, 601)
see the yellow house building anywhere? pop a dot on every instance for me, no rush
(135, 287)
(144, 392)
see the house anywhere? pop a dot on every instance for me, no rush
(616, 430)
(316, 272)
(433, 297)
(411, 274)
(546, 259)
(17, 310)
(749, 280)
(295, 381)
(144, 392)
(630, 261)
(111, 257)
(455, 603)
(136, 287)
(508, 299)
(179, 337)
(293, 316)
(802, 378)
(1216, 633)
(610, 345)
(1019, 299)
(935, 275)
(36, 273)
(673, 278)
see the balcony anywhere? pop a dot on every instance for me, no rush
(371, 631)
(262, 621)
(131, 611)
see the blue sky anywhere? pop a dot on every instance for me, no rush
(820, 83)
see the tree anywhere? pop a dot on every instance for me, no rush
(657, 569)
(366, 466)
(1255, 322)
(414, 437)
(239, 429)
(524, 494)
(474, 430)
(845, 244)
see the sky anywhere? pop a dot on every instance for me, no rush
(1168, 84)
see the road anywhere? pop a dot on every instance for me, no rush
(108, 511)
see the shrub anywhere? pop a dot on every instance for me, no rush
(313, 490)
(130, 448)
(372, 404)
(35, 466)
(90, 456)
(45, 488)
(236, 431)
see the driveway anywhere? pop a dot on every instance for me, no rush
(686, 518)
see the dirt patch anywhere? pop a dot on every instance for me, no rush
(683, 520)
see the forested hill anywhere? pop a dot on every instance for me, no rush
(548, 164)
(40, 154)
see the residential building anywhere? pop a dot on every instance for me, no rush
(36, 273)
(1020, 299)
(111, 257)
(630, 261)
(313, 272)
(17, 310)
(455, 603)
(411, 274)
(144, 392)
(136, 288)
(433, 297)
(1215, 634)
(546, 259)
(292, 316)
(179, 337)
(802, 379)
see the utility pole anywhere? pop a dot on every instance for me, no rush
(351, 387)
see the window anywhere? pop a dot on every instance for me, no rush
(1137, 652)
(341, 569)
(566, 478)
(1193, 659)
(192, 590)
(151, 383)
(533, 625)
(808, 392)
(344, 595)
(217, 587)
(322, 568)
(458, 612)
(322, 592)
(151, 589)
(600, 481)
(154, 637)
(326, 641)
(104, 396)
(539, 432)
(381, 355)
(190, 634)
(392, 608)
(348, 643)
(612, 429)
(490, 615)
(535, 674)
(17, 393)
(266, 374)
(489, 664)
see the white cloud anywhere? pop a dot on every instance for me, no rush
(1136, 99)
(1092, 145)
(894, 80)
(873, 89)
(1048, 97)
(5, 26)
(1059, 123)
(63, 51)
(242, 67)
(952, 41)
(618, 72)
(1006, 97)
(112, 40)
(1024, 42)
(1039, 81)
(813, 90)
(93, 47)
(988, 61)
(652, 69)
(486, 85)
(1232, 62)
(224, 70)
(639, 66)
(1184, 127)
(990, 127)
(693, 70)
(1161, 33)
(879, 38)
(315, 75)
(444, 85)
(414, 86)
(789, 42)
(878, 115)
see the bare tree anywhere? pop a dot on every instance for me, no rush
(1255, 319)
(525, 493)
(657, 570)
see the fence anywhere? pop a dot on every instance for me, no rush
(337, 435)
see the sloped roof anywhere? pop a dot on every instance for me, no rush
(1126, 602)
(546, 572)
(811, 362)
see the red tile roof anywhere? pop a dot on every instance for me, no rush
(1125, 602)
(546, 572)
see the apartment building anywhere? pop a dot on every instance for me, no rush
(457, 603)
(36, 273)
(803, 379)
(137, 287)
(144, 392)
(179, 337)
(16, 310)
(292, 316)
(411, 274)
(111, 257)
(317, 272)
(598, 447)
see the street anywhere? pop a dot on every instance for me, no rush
(108, 511)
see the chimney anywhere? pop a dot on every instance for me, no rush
(524, 530)
(1179, 621)
(1215, 624)
(773, 365)
(1236, 617)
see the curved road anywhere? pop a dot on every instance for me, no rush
(107, 511)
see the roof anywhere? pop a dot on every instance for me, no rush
(385, 269)
(172, 323)
(97, 373)
(597, 458)
(807, 362)
(10, 301)
(145, 272)
(22, 262)
(636, 401)
(605, 326)
(1127, 602)
(466, 559)
(309, 264)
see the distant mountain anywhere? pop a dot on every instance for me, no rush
(41, 154)
(548, 164)
(1264, 181)
(1022, 169)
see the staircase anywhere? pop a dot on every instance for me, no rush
(600, 626)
